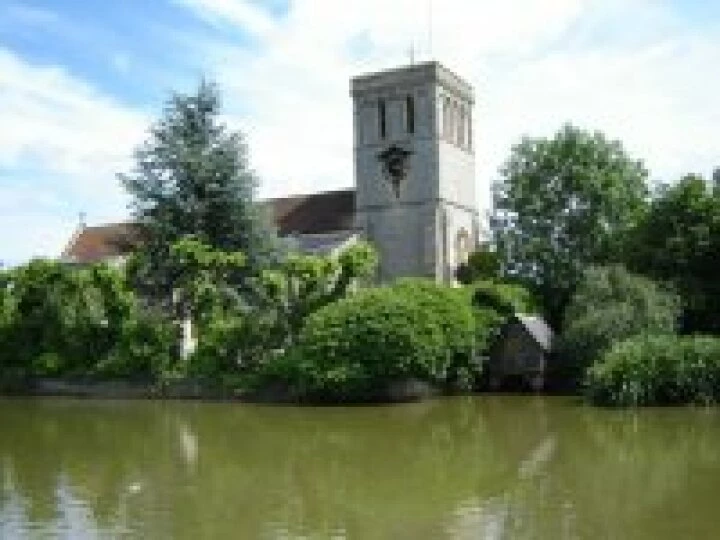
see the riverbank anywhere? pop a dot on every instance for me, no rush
(112, 389)
(194, 389)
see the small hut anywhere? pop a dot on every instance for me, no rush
(521, 352)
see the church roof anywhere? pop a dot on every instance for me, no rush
(319, 214)
(321, 243)
(330, 211)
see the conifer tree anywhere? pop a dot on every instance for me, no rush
(192, 178)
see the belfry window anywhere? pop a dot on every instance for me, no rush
(382, 118)
(447, 120)
(454, 122)
(469, 129)
(410, 114)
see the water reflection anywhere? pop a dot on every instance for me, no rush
(486, 467)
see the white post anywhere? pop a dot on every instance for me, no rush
(189, 343)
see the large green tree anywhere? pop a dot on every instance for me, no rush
(609, 305)
(235, 340)
(679, 241)
(563, 203)
(191, 177)
(301, 284)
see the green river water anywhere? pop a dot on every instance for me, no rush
(469, 467)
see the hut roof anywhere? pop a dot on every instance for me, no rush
(538, 328)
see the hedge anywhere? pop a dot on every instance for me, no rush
(657, 370)
(350, 350)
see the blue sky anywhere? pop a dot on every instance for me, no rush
(80, 82)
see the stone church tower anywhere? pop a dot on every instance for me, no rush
(415, 169)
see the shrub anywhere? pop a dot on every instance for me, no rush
(146, 349)
(59, 319)
(505, 298)
(352, 349)
(449, 307)
(233, 344)
(481, 264)
(657, 370)
(611, 305)
(64, 319)
(301, 284)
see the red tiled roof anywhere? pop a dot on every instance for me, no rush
(317, 213)
(330, 211)
(92, 244)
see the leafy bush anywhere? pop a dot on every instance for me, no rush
(481, 264)
(64, 318)
(146, 349)
(504, 298)
(233, 344)
(7, 313)
(657, 370)
(238, 339)
(352, 349)
(611, 305)
(302, 284)
(59, 319)
(219, 348)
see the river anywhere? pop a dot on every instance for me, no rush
(468, 467)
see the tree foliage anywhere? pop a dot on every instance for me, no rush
(241, 339)
(482, 264)
(62, 319)
(657, 370)
(191, 177)
(611, 305)
(302, 284)
(679, 241)
(203, 277)
(561, 204)
(494, 303)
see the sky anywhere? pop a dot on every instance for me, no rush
(81, 81)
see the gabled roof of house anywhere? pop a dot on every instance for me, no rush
(93, 244)
(538, 328)
(317, 214)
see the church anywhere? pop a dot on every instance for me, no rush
(414, 182)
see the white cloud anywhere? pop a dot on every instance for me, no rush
(251, 18)
(62, 142)
(61, 121)
(635, 70)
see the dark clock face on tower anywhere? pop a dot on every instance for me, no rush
(395, 162)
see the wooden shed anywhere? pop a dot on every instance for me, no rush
(521, 353)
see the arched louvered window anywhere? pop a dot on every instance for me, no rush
(382, 118)
(410, 114)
